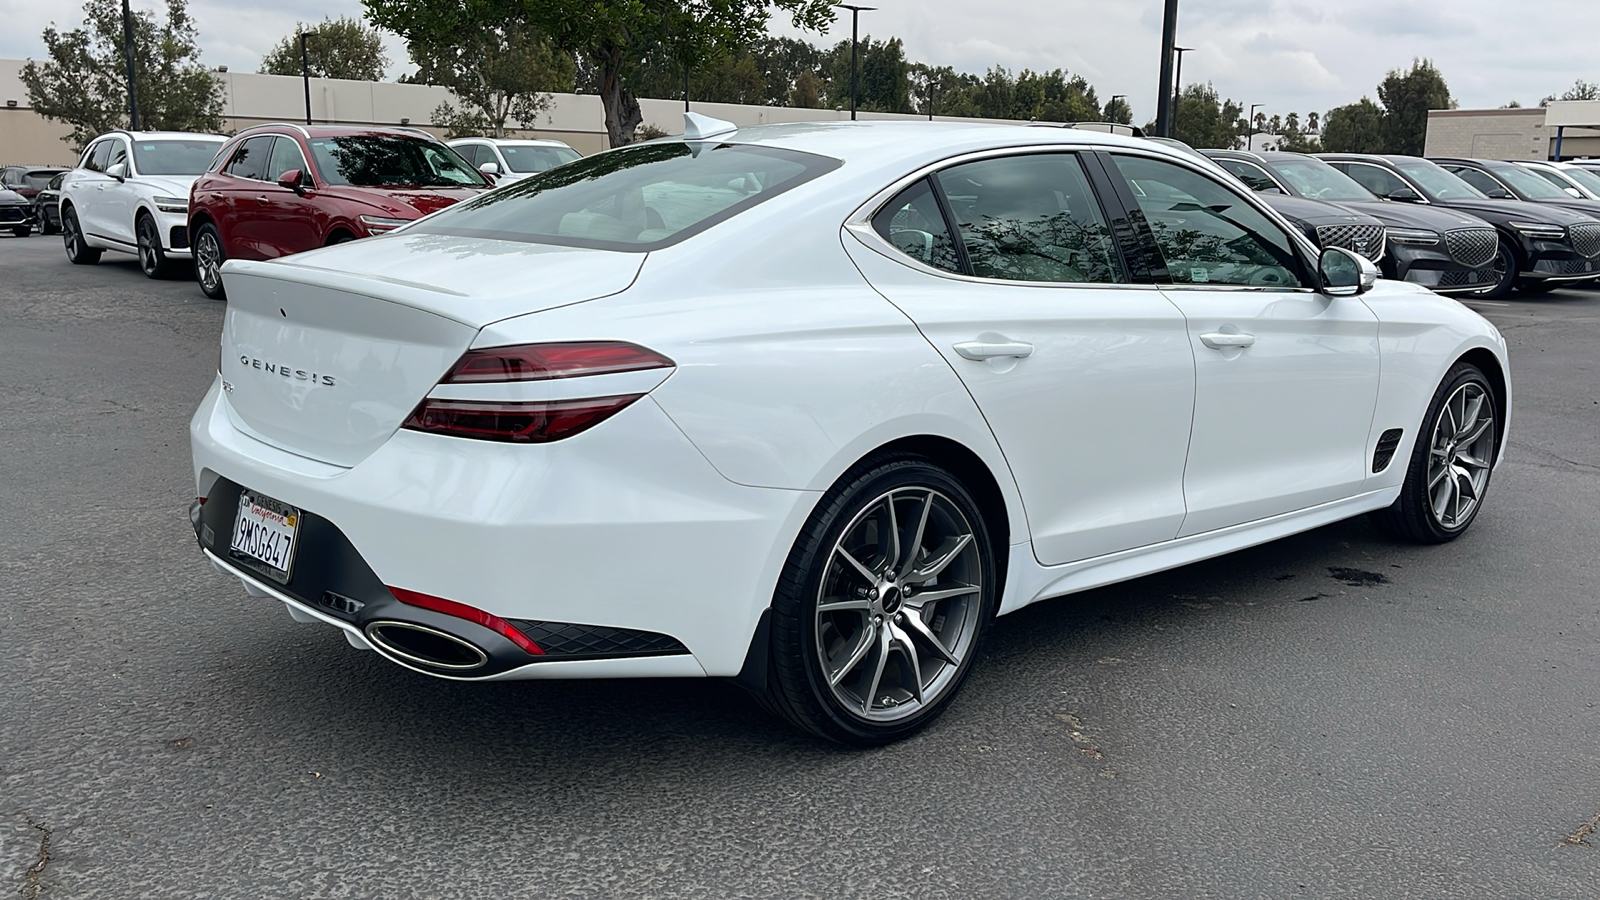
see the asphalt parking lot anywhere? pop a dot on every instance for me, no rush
(1332, 715)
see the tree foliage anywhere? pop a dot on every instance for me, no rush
(337, 48)
(1203, 119)
(1407, 96)
(1580, 90)
(1355, 128)
(498, 74)
(84, 82)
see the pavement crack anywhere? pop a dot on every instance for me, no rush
(30, 884)
(1580, 838)
(1356, 577)
(1555, 456)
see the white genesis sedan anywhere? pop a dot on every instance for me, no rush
(809, 405)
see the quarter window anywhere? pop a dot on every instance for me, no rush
(1031, 218)
(913, 223)
(1379, 181)
(1207, 233)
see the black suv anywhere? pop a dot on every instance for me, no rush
(1541, 246)
(1500, 180)
(1442, 249)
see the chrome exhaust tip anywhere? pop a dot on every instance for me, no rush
(424, 646)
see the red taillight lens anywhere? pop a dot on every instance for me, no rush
(471, 614)
(536, 362)
(538, 422)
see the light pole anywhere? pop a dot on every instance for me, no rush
(305, 75)
(1169, 40)
(1177, 89)
(1250, 124)
(127, 53)
(855, 17)
(1113, 102)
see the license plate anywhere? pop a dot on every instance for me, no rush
(264, 533)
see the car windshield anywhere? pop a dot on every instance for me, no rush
(40, 179)
(188, 156)
(1437, 183)
(384, 160)
(634, 198)
(1316, 179)
(1588, 179)
(1529, 185)
(536, 159)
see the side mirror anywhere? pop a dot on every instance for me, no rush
(1404, 195)
(119, 171)
(1574, 193)
(1500, 193)
(490, 168)
(1344, 273)
(292, 180)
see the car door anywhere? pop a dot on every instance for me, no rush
(288, 220)
(116, 201)
(1286, 378)
(244, 230)
(1085, 378)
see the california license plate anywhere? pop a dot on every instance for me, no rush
(265, 533)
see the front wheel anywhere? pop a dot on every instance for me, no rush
(1505, 273)
(208, 259)
(1448, 476)
(882, 604)
(153, 260)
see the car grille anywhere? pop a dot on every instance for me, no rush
(1366, 240)
(1466, 278)
(1472, 247)
(1566, 267)
(1586, 239)
(561, 640)
(12, 214)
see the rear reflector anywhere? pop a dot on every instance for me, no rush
(470, 613)
(538, 422)
(537, 362)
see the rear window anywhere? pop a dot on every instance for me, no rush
(40, 178)
(634, 198)
(173, 157)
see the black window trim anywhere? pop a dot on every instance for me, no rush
(305, 164)
(1270, 176)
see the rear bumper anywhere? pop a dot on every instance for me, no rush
(622, 531)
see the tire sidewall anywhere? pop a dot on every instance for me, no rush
(1416, 484)
(140, 225)
(208, 229)
(1508, 283)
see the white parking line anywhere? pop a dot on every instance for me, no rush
(1485, 303)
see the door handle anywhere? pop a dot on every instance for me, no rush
(978, 351)
(263, 200)
(1218, 340)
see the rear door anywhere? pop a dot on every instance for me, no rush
(289, 221)
(1085, 378)
(1286, 377)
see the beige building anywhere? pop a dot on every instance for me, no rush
(26, 138)
(1517, 133)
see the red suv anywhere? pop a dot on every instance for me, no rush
(280, 189)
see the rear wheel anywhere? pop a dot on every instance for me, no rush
(152, 259)
(208, 259)
(78, 252)
(882, 604)
(1448, 476)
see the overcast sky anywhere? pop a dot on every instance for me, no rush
(1290, 55)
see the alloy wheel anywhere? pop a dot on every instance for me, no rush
(1460, 454)
(208, 261)
(149, 258)
(69, 233)
(898, 605)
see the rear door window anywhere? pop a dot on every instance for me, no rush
(250, 159)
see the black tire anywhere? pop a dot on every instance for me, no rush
(22, 230)
(48, 227)
(208, 267)
(798, 687)
(153, 261)
(1415, 514)
(340, 237)
(1506, 269)
(78, 253)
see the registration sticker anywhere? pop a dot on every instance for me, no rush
(264, 533)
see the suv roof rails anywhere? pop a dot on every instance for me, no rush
(1103, 127)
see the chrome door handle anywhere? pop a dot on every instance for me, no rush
(263, 200)
(978, 351)
(1218, 340)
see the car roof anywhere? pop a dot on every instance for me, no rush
(514, 142)
(322, 131)
(162, 135)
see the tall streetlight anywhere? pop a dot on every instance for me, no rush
(1250, 124)
(305, 75)
(855, 18)
(1113, 102)
(1169, 40)
(127, 53)
(1177, 88)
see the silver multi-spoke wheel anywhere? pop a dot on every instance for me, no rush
(1460, 455)
(899, 604)
(150, 258)
(208, 261)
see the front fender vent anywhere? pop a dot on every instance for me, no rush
(1387, 443)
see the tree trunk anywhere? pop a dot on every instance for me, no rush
(623, 114)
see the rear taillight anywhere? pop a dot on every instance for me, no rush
(536, 362)
(532, 421)
(471, 614)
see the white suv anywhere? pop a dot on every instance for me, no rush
(513, 160)
(130, 192)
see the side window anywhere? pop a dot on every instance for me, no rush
(913, 223)
(1207, 233)
(1379, 181)
(1250, 174)
(250, 160)
(11, 176)
(95, 159)
(1031, 218)
(1481, 180)
(119, 153)
(286, 155)
(478, 154)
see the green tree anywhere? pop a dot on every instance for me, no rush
(497, 75)
(84, 83)
(1203, 119)
(1117, 110)
(1407, 96)
(337, 48)
(1580, 90)
(1358, 127)
(883, 76)
(1294, 140)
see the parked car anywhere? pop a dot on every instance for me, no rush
(28, 180)
(1541, 247)
(1446, 250)
(274, 190)
(513, 159)
(130, 193)
(1500, 180)
(47, 205)
(1577, 181)
(16, 213)
(808, 407)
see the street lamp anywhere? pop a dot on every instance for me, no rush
(127, 54)
(855, 17)
(1113, 102)
(1250, 124)
(1169, 39)
(305, 76)
(1177, 89)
